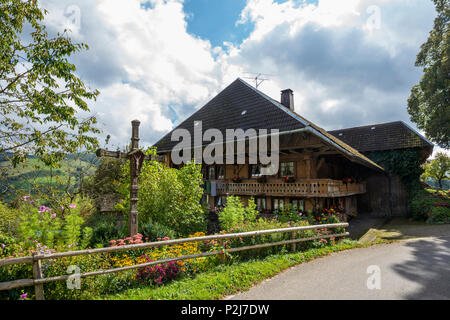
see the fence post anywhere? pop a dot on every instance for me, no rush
(37, 274)
(222, 255)
(293, 247)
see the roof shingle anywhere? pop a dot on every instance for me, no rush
(226, 111)
(384, 136)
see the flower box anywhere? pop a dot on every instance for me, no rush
(289, 179)
(262, 179)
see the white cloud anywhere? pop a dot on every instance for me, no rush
(143, 62)
(343, 73)
(349, 62)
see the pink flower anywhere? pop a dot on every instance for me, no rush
(24, 296)
(53, 215)
(73, 205)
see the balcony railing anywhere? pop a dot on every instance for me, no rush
(306, 188)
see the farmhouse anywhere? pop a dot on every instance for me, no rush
(317, 169)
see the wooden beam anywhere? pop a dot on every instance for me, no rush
(124, 155)
(321, 162)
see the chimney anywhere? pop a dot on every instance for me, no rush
(287, 98)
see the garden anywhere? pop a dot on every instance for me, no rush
(169, 208)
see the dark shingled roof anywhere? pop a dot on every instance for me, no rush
(384, 136)
(226, 111)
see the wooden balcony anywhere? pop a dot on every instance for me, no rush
(310, 188)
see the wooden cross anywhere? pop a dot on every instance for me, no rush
(136, 157)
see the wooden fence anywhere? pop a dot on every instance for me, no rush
(39, 280)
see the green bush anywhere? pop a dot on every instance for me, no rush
(8, 219)
(439, 215)
(289, 214)
(431, 206)
(266, 224)
(235, 213)
(168, 196)
(60, 228)
(10, 247)
(155, 231)
(104, 229)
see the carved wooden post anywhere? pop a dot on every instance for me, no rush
(134, 176)
(37, 274)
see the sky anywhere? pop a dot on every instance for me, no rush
(349, 62)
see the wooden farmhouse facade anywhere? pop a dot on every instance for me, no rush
(317, 169)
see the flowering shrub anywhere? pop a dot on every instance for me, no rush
(290, 214)
(264, 224)
(432, 207)
(60, 228)
(137, 238)
(326, 215)
(159, 274)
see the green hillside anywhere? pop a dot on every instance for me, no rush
(26, 175)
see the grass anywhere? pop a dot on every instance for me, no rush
(225, 280)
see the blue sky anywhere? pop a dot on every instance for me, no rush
(216, 20)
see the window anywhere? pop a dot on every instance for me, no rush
(255, 170)
(204, 172)
(221, 201)
(212, 173)
(278, 204)
(220, 172)
(298, 204)
(287, 169)
(261, 204)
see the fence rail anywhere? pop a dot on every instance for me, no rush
(38, 279)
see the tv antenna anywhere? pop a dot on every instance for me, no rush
(257, 77)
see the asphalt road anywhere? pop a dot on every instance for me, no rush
(412, 269)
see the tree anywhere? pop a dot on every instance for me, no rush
(41, 98)
(429, 102)
(438, 168)
(167, 196)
